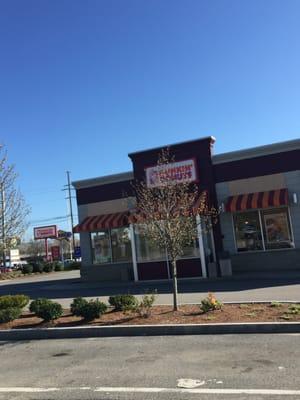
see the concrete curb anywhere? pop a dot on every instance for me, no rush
(149, 330)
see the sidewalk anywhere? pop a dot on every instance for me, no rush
(65, 287)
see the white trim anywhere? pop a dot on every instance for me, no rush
(253, 152)
(213, 244)
(133, 251)
(291, 227)
(201, 246)
(168, 264)
(234, 235)
(264, 249)
(261, 230)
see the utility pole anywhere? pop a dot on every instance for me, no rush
(2, 194)
(71, 211)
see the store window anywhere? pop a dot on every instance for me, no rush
(191, 250)
(145, 249)
(276, 228)
(262, 230)
(121, 244)
(101, 247)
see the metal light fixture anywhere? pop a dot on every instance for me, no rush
(295, 198)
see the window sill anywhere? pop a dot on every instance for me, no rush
(264, 251)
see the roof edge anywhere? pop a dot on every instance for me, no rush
(212, 138)
(253, 152)
(103, 180)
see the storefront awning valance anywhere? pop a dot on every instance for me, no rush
(249, 201)
(105, 221)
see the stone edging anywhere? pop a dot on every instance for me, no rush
(149, 330)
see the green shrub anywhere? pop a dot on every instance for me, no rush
(123, 302)
(210, 303)
(27, 269)
(35, 305)
(77, 305)
(58, 266)
(48, 267)
(48, 310)
(73, 265)
(145, 305)
(276, 304)
(92, 309)
(294, 309)
(38, 266)
(13, 301)
(9, 314)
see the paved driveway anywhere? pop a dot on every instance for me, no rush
(64, 286)
(223, 367)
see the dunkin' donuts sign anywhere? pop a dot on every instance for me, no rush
(45, 232)
(177, 172)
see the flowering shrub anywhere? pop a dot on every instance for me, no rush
(210, 303)
(145, 305)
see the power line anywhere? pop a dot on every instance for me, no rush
(49, 219)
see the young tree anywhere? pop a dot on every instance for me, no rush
(13, 209)
(167, 214)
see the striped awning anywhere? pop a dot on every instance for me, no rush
(105, 221)
(249, 201)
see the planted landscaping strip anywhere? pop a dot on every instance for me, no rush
(129, 316)
(161, 315)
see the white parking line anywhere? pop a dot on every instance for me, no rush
(199, 391)
(108, 389)
(27, 389)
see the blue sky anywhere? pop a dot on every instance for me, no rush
(83, 83)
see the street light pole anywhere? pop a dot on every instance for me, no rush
(71, 212)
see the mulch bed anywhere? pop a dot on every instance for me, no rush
(188, 314)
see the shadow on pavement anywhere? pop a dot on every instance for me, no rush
(71, 288)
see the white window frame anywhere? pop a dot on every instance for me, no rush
(110, 247)
(260, 210)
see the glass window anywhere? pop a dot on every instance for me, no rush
(146, 250)
(101, 248)
(192, 250)
(121, 244)
(247, 231)
(276, 227)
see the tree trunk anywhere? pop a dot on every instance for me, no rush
(175, 291)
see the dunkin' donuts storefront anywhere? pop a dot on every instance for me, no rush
(257, 191)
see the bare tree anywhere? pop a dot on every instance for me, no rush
(33, 249)
(167, 214)
(13, 211)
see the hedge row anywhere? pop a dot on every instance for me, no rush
(40, 267)
(11, 307)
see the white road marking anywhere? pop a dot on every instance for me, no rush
(108, 389)
(27, 389)
(189, 383)
(273, 392)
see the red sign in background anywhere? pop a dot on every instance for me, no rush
(55, 251)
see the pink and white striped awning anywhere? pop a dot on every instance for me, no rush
(99, 222)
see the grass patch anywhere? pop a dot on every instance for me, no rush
(242, 306)
(286, 317)
(276, 304)
(210, 318)
(251, 315)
